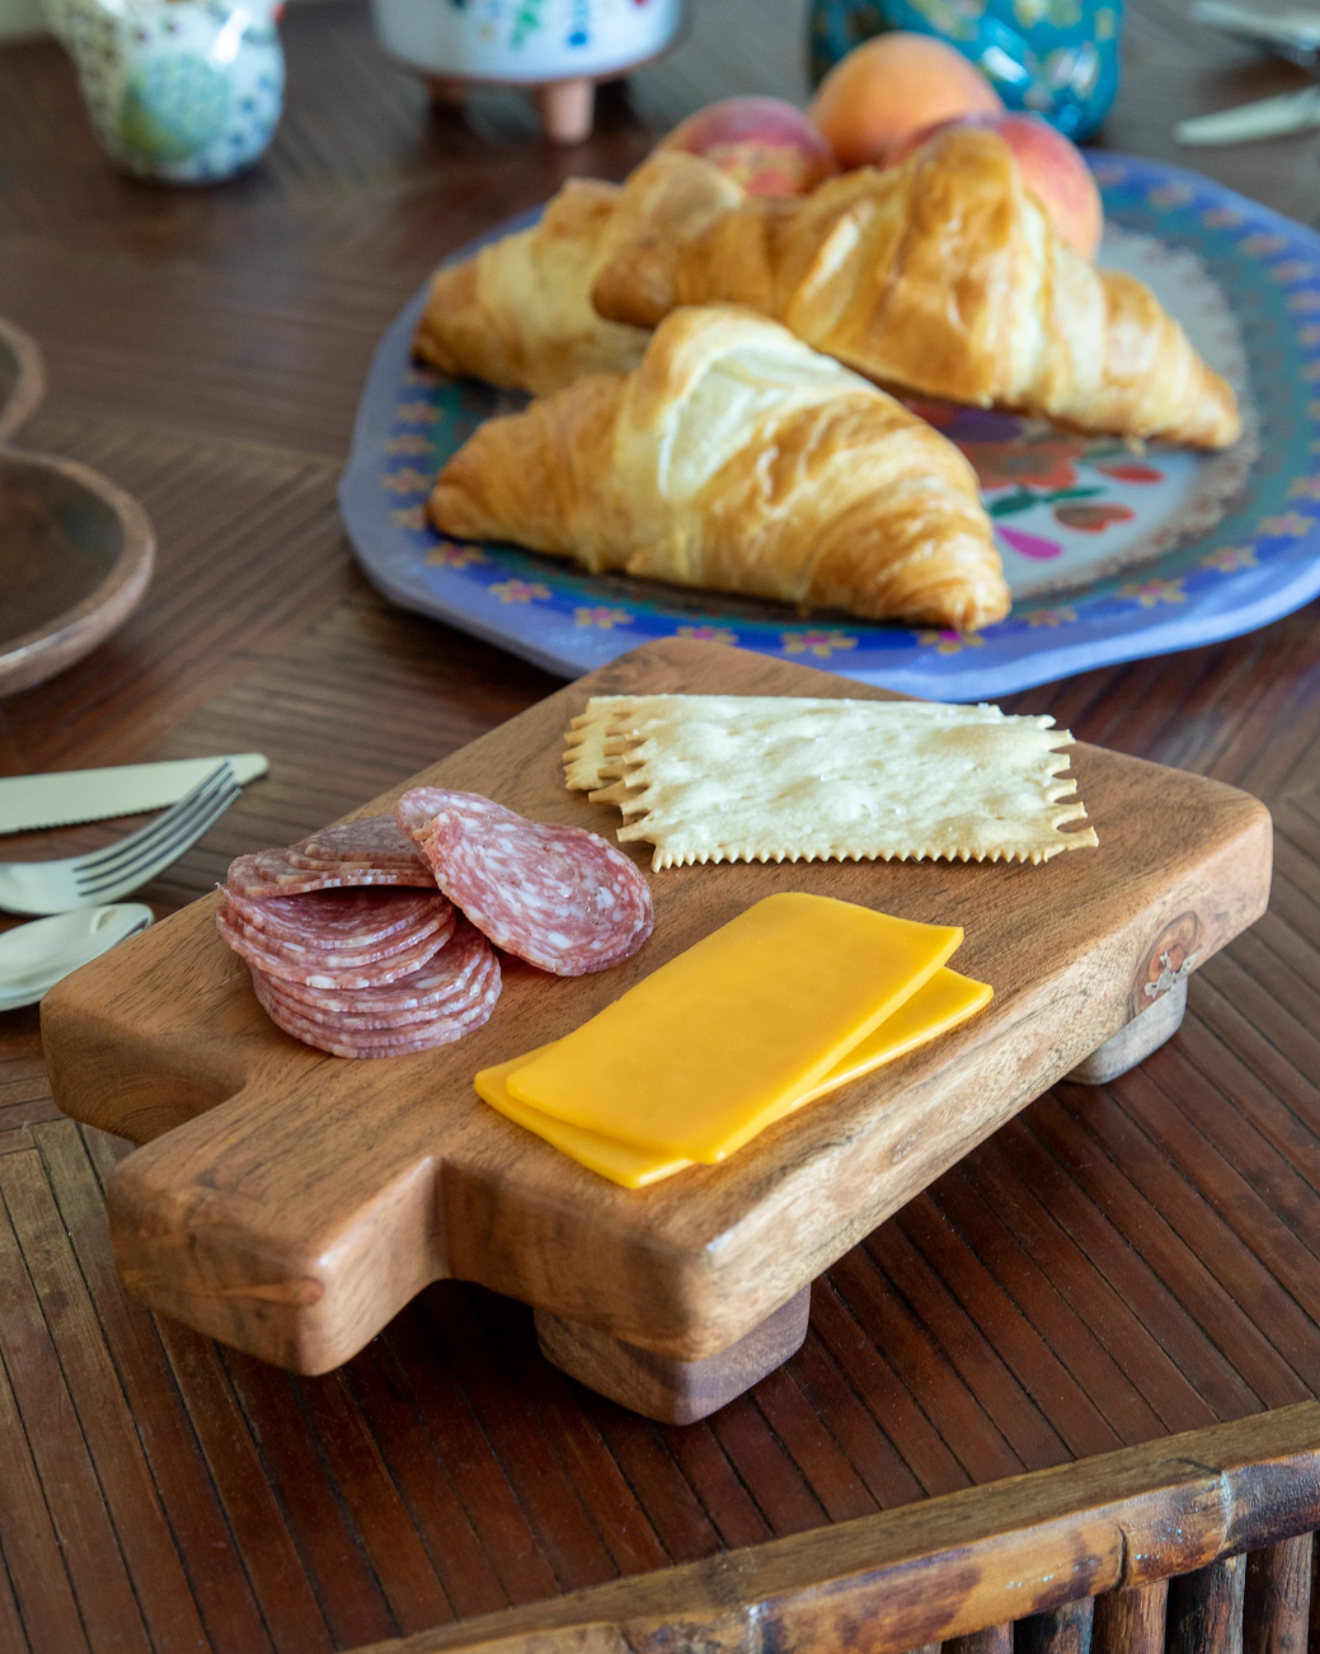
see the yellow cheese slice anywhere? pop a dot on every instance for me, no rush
(936, 1008)
(705, 1052)
(620, 1162)
(945, 1001)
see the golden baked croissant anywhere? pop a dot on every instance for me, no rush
(519, 312)
(737, 459)
(944, 276)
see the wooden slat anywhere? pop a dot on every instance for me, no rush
(1277, 1600)
(944, 1570)
(1205, 1609)
(1131, 1621)
(1109, 1269)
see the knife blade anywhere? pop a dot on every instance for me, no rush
(1268, 118)
(68, 796)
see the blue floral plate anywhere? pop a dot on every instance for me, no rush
(1111, 555)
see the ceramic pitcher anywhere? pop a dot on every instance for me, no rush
(185, 91)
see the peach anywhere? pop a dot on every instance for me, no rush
(892, 86)
(1052, 169)
(770, 147)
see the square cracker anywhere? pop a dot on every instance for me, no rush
(777, 778)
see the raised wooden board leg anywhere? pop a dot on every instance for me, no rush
(566, 109)
(675, 1392)
(1134, 1044)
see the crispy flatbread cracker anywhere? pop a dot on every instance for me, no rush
(585, 741)
(770, 778)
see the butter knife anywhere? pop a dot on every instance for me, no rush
(67, 796)
(1268, 118)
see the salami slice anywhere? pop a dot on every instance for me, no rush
(271, 873)
(402, 1021)
(559, 897)
(346, 1042)
(373, 973)
(375, 841)
(344, 923)
(440, 982)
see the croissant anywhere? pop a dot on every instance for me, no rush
(737, 459)
(942, 276)
(519, 312)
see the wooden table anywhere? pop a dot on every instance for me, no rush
(1116, 1266)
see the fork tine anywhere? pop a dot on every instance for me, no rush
(127, 849)
(162, 851)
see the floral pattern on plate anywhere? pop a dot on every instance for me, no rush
(1112, 554)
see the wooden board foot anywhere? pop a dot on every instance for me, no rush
(1135, 1042)
(675, 1392)
(566, 109)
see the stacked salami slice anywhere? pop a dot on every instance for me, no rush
(363, 971)
(348, 966)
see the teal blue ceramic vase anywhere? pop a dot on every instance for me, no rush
(1055, 58)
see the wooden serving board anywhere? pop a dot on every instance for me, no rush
(290, 1203)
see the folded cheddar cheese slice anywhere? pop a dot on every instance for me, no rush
(704, 1053)
(940, 1005)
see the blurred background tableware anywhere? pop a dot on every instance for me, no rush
(35, 956)
(557, 49)
(76, 553)
(181, 91)
(1055, 58)
(65, 797)
(1289, 32)
(107, 874)
(22, 378)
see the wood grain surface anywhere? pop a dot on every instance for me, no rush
(259, 1215)
(1112, 1267)
(1041, 1548)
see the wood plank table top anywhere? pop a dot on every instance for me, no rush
(1113, 1266)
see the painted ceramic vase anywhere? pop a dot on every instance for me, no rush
(184, 91)
(526, 42)
(1056, 58)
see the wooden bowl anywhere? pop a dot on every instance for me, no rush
(22, 378)
(76, 554)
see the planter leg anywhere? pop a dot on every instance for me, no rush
(675, 1392)
(566, 109)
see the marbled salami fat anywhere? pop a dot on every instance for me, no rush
(375, 841)
(559, 897)
(440, 983)
(313, 971)
(345, 924)
(391, 1019)
(341, 1041)
(271, 873)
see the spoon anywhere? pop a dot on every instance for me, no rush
(34, 957)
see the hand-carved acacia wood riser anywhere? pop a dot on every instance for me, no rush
(290, 1203)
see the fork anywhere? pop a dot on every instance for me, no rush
(106, 875)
